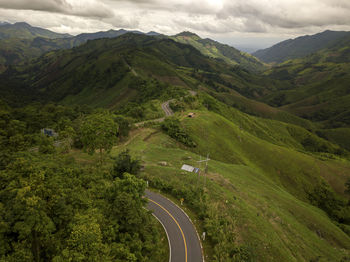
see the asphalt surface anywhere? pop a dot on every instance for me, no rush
(166, 108)
(182, 236)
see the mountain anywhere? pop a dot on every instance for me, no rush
(279, 186)
(319, 87)
(299, 47)
(152, 33)
(26, 42)
(24, 30)
(217, 50)
(113, 65)
(108, 68)
(82, 38)
(16, 50)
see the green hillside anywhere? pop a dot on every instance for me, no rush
(22, 42)
(15, 51)
(320, 86)
(137, 68)
(217, 50)
(102, 65)
(259, 178)
(299, 47)
(26, 31)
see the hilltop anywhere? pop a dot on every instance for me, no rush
(217, 50)
(23, 30)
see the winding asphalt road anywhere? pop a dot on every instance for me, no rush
(166, 108)
(183, 240)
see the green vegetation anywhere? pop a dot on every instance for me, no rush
(277, 187)
(299, 47)
(261, 207)
(319, 86)
(172, 127)
(125, 164)
(220, 51)
(55, 211)
(98, 132)
(25, 31)
(53, 208)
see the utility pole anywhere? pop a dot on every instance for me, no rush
(206, 168)
(199, 171)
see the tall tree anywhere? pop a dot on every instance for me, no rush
(98, 132)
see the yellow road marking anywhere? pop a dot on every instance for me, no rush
(182, 233)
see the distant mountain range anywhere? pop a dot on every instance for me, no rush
(20, 42)
(320, 85)
(115, 69)
(299, 47)
(23, 30)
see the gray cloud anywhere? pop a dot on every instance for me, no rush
(88, 9)
(209, 18)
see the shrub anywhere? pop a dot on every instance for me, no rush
(125, 164)
(172, 127)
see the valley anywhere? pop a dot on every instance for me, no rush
(131, 108)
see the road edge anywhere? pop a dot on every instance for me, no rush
(200, 242)
(167, 235)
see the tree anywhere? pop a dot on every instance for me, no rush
(98, 132)
(66, 137)
(85, 242)
(125, 164)
(23, 189)
(46, 145)
(124, 126)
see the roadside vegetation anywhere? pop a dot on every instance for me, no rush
(53, 208)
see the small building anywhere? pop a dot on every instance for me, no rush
(49, 132)
(191, 115)
(190, 169)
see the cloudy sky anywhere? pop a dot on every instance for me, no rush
(255, 23)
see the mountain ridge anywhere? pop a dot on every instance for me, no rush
(24, 30)
(299, 47)
(13, 51)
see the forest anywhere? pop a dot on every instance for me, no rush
(55, 209)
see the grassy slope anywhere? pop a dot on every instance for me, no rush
(299, 47)
(320, 88)
(254, 183)
(224, 52)
(340, 136)
(24, 30)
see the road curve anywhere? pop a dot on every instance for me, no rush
(183, 239)
(166, 108)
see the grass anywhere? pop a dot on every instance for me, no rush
(319, 90)
(259, 185)
(340, 136)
